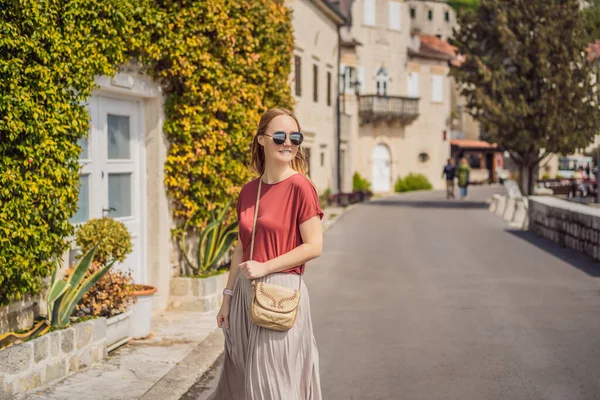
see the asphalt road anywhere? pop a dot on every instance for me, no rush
(417, 298)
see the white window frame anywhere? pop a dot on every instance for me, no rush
(369, 12)
(383, 82)
(395, 15)
(350, 74)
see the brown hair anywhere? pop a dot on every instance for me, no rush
(257, 161)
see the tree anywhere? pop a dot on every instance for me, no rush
(526, 78)
(591, 16)
(464, 5)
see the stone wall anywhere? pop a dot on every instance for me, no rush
(29, 365)
(571, 225)
(195, 294)
(18, 315)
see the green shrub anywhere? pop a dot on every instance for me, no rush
(324, 198)
(545, 177)
(50, 52)
(111, 236)
(360, 184)
(412, 182)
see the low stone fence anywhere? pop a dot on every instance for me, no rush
(197, 294)
(512, 210)
(52, 356)
(20, 315)
(571, 225)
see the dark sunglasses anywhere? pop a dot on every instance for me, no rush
(295, 137)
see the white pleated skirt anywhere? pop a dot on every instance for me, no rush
(262, 364)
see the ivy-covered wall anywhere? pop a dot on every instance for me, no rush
(50, 51)
(221, 63)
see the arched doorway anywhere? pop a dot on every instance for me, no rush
(381, 169)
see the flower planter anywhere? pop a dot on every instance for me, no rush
(197, 294)
(141, 320)
(117, 330)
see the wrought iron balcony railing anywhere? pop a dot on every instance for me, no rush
(373, 108)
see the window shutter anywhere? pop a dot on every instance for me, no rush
(342, 72)
(437, 86)
(370, 7)
(315, 83)
(328, 88)
(413, 84)
(298, 72)
(350, 77)
(361, 79)
(395, 15)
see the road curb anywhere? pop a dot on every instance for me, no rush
(345, 211)
(188, 371)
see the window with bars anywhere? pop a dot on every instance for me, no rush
(430, 15)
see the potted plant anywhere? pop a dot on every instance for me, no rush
(202, 280)
(141, 320)
(113, 295)
(63, 296)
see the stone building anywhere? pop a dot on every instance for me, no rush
(314, 85)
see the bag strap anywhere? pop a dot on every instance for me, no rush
(254, 230)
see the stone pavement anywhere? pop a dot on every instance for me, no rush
(134, 369)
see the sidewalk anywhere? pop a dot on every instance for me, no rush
(132, 371)
(182, 348)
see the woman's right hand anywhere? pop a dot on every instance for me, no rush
(223, 315)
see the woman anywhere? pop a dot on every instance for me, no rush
(259, 363)
(463, 173)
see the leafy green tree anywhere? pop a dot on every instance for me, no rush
(591, 17)
(464, 5)
(526, 78)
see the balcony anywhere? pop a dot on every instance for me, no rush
(388, 108)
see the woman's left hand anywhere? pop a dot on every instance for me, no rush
(253, 269)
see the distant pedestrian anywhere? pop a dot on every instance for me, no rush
(577, 183)
(463, 173)
(450, 172)
(279, 220)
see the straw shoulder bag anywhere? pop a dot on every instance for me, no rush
(273, 306)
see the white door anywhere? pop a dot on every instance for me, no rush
(381, 169)
(112, 175)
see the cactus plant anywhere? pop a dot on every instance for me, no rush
(64, 295)
(215, 240)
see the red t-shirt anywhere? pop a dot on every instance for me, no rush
(283, 207)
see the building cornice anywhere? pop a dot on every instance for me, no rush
(328, 9)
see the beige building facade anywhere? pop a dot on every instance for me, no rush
(396, 97)
(314, 85)
(432, 17)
